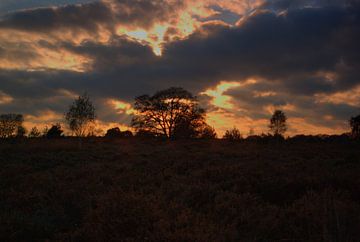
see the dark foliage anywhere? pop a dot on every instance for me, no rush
(113, 133)
(233, 135)
(54, 132)
(278, 124)
(81, 116)
(9, 124)
(207, 132)
(355, 127)
(117, 133)
(131, 190)
(127, 133)
(173, 113)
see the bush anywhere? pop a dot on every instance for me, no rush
(113, 133)
(233, 135)
(55, 131)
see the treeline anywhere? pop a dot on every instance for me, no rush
(173, 113)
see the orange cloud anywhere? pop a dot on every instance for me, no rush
(302, 126)
(5, 98)
(350, 97)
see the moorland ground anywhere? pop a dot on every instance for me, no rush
(156, 190)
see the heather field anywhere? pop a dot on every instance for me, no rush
(158, 190)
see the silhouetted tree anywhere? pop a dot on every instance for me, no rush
(34, 133)
(168, 112)
(20, 132)
(355, 127)
(55, 131)
(9, 124)
(278, 123)
(232, 135)
(81, 115)
(113, 133)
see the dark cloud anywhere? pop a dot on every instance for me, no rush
(88, 16)
(91, 16)
(292, 47)
(12, 6)
(296, 4)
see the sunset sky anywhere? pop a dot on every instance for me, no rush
(242, 58)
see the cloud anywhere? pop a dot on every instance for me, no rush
(5, 98)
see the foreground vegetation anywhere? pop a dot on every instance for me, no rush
(156, 190)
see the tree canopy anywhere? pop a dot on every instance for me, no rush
(173, 113)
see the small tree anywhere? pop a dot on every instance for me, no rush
(9, 124)
(233, 135)
(54, 132)
(278, 124)
(34, 133)
(81, 115)
(355, 127)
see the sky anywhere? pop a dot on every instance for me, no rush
(242, 58)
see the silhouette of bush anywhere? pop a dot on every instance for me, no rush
(113, 133)
(233, 135)
(117, 133)
(55, 132)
